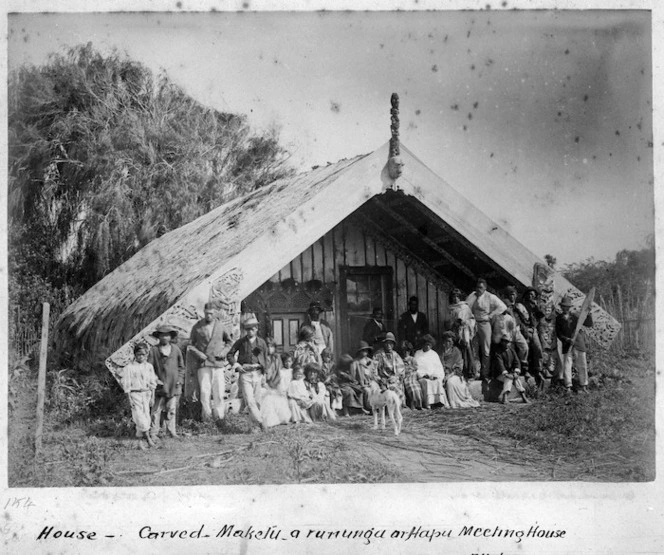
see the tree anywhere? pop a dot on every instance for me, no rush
(625, 283)
(102, 155)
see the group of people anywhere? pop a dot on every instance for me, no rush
(486, 337)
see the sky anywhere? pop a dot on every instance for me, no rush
(543, 119)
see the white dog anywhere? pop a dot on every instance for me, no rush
(386, 398)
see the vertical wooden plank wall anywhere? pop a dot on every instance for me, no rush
(349, 245)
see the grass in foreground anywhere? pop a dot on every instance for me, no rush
(607, 435)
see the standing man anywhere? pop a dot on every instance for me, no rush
(374, 329)
(413, 325)
(168, 364)
(485, 307)
(210, 344)
(530, 315)
(322, 331)
(252, 357)
(565, 325)
(515, 329)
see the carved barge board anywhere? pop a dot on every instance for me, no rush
(553, 287)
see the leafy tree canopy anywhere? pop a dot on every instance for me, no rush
(103, 157)
(627, 282)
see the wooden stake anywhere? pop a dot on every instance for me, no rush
(41, 383)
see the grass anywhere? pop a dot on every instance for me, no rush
(607, 435)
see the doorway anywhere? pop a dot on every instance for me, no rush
(363, 288)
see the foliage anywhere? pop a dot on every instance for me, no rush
(626, 283)
(73, 396)
(104, 157)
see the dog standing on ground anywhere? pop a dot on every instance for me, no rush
(381, 397)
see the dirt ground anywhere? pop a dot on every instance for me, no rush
(554, 438)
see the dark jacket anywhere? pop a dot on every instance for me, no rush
(170, 370)
(372, 332)
(215, 348)
(565, 326)
(412, 331)
(248, 354)
(504, 359)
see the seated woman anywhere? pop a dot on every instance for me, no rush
(274, 404)
(412, 383)
(351, 390)
(430, 368)
(329, 377)
(362, 370)
(320, 408)
(299, 398)
(458, 394)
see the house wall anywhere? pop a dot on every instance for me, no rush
(349, 245)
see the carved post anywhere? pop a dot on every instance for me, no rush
(394, 162)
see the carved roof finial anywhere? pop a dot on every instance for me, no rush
(394, 112)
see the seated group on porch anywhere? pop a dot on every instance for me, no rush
(486, 337)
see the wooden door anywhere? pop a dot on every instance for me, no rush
(362, 289)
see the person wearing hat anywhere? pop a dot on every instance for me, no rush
(251, 352)
(168, 363)
(485, 307)
(530, 315)
(566, 323)
(412, 324)
(430, 368)
(374, 328)
(389, 365)
(209, 345)
(322, 332)
(362, 370)
(507, 369)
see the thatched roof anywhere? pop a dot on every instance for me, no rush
(257, 234)
(161, 273)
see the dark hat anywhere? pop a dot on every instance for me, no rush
(161, 330)
(389, 336)
(210, 306)
(364, 346)
(317, 305)
(510, 289)
(566, 301)
(530, 289)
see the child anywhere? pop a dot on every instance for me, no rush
(299, 399)
(139, 382)
(274, 405)
(286, 370)
(330, 378)
(320, 408)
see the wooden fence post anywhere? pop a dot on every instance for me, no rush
(41, 383)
